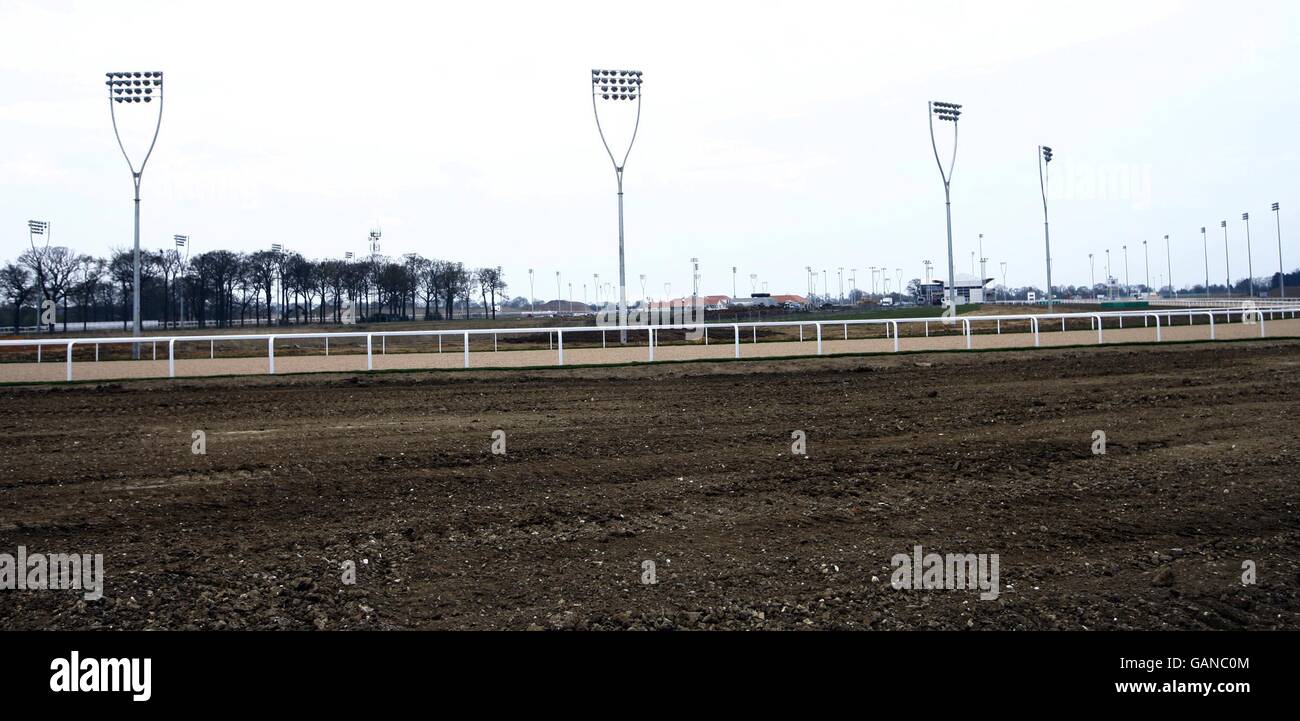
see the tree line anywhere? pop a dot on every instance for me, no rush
(226, 288)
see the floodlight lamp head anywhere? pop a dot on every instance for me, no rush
(134, 87)
(1245, 216)
(1275, 206)
(616, 84)
(1202, 230)
(37, 227)
(1047, 154)
(1223, 223)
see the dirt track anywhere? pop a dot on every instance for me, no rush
(689, 466)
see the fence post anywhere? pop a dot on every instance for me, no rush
(270, 355)
(559, 337)
(1211, 314)
(651, 338)
(466, 349)
(965, 326)
(895, 335)
(171, 358)
(736, 329)
(1158, 328)
(383, 345)
(70, 360)
(212, 349)
(327, 346)
(1034, 322)
(370, 356)
(1100, 338)
(819, 337)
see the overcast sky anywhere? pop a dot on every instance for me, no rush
(773, 136)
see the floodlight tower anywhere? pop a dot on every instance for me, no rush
(41, 228)
(559, 297)
(948, 112)
(182, 241)
(1092, 275)
(1281, 270)
(1169, 269)
(1045, 158)
(1205, 250)
(1128, 287)
(1146, 266)
(841, 282)
(695, 282)
(134, 88)
(1227, 268)
(1110, 284)
(1250, 264)
(618, 86)
(733, 281)
(1004, 279)
(530, 291)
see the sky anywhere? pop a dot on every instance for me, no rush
(773, 136)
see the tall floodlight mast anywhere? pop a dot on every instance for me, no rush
(1227, 267)
(1205, 250)
(1045, 157)
(1250, 263)
(618, 86)
(1169, 269)
(1281, 270)
(949, 112)
(135, 88)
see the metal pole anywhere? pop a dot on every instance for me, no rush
(1169, 269)
(1250, 263)
(1281, 269)
(136, 324)
(622, 272)
(1205, 250)
(1043, 163)
(1227, 268)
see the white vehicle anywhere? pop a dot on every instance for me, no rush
(886, 301)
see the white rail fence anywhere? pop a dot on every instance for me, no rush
(1163, 318)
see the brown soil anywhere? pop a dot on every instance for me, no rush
(689, 466)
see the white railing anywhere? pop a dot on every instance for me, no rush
(891, 327)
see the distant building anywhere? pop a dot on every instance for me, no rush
(970, 289)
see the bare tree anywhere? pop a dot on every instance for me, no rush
(16, 284)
